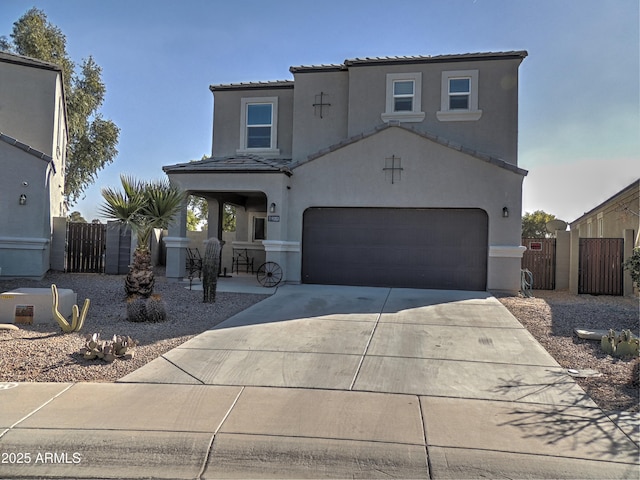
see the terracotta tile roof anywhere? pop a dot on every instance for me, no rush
(233, 163)
(23, 146)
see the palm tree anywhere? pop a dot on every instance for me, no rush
(143, 206)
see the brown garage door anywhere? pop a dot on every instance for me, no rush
(416, 248)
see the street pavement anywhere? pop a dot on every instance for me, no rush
(328, 382)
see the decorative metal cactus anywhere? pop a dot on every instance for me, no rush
(118, 347)
(210, 270)
(77, 317)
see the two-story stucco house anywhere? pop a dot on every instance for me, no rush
(33, 142)
(396, 171)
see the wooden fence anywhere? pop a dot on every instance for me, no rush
(540, 259)
(600, 266)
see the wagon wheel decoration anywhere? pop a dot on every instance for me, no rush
(269, 274)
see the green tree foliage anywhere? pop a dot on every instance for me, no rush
(76, 217)
(198, 212)
(92, 139)
(534, 224)
(142, 206)
(632, 264)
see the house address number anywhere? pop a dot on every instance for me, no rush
(273, 218)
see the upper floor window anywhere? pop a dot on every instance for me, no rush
(258, 125)
(459, 96)
(459, 93)
(404, 97)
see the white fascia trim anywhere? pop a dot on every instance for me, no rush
(23, 243)
(280, 246)
(176, 242)
(507, 251)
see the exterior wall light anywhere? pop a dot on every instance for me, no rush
(505, 212)
(272, 208)
(23, 199)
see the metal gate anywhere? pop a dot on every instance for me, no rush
(600, 266)
(86, 243)
(540, 259)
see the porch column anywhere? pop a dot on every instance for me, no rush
(563, 259)
(214, 219)
(175, 243)
(574, 257)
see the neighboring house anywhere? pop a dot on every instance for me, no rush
(612, 217)
(395, 171)
(617, 219)
(33, 142)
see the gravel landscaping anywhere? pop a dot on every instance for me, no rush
(552, 316)
(41, 353)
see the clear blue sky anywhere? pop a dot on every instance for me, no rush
(579, 91)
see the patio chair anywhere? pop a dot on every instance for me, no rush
(241, 258)
(194, 262)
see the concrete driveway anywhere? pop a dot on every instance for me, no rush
(333, 382)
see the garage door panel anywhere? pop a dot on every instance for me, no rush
(420, 248)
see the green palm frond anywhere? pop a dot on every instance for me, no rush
(143, 205)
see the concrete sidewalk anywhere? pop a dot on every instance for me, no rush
(328, 382)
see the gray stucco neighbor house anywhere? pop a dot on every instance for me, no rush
(33, 143)
(395, 171)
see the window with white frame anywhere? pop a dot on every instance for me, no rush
(459, 96)
(404, 97)
(589, 228)
(259, 125)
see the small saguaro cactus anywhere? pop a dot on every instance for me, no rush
(210, 269)
(77, 318)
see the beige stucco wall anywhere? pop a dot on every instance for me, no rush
(32, 112)
(310, 132)
(433, 176)
(25, 230)
(618, 214)
(495, 133)
(28, 99)
(226, 120)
